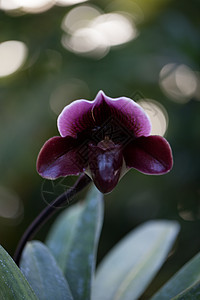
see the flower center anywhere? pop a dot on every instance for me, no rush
(105, 164)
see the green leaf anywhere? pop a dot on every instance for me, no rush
(13, 284)
(61, 234)
(188, 275)
(42, 272)
(192, 293)
(127, 270)
(73, 241)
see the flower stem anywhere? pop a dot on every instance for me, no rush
(41, 219)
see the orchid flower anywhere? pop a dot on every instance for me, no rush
(104, 138)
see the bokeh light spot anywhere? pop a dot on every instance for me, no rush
(189, 211)
(79, 18)
(157, 114)
(86, 41)
(36, 6)
(129, 6)
(92, 33)
(197, 92)
(10, 204)
(31, 6)
(12, 57)
(115, 27)
(69, 2)
(178, 82)
(186, 80)
(9, 4)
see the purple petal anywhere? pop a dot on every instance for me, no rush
(59, 157)
(105, 166)
(124, 111)
(75, 118)
(82, 114)
(149, 155)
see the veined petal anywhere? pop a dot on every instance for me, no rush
(76, 117)
(59, 157)
(83, 115)
(149, 155)
(124, 111)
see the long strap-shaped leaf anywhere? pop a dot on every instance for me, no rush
(43, 273)
(192, 293)
(186, 277)
(73, 241)
(127, 270)
(13, 285)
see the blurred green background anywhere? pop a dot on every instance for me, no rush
(53, 52)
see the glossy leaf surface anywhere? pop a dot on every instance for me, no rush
(183, 279)
(192, 293)
(43, 273)
(13, 284)
(128, 269)
(73, 240)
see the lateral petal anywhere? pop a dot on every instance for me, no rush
(149, 155)
(59, 157)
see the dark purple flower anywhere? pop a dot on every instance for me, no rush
(104, 138)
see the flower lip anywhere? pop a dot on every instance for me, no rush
(105, 164)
